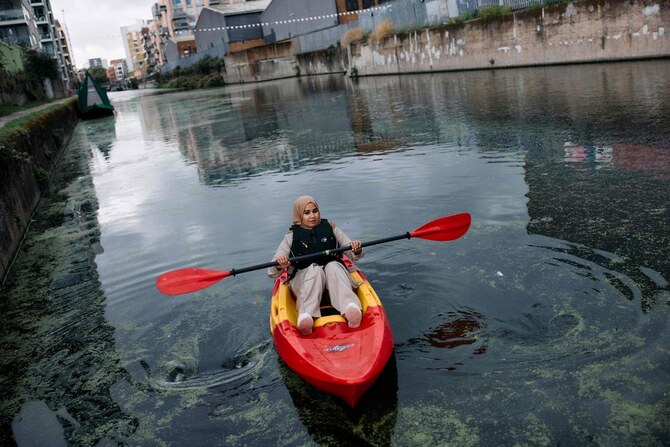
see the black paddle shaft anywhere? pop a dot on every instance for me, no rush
(234, 272)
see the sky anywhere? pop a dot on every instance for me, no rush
(94, 26)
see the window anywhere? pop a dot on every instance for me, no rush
(351, 5)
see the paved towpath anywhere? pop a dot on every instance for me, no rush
(7, 118)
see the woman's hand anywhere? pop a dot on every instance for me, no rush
(356, 247)
(282, 262)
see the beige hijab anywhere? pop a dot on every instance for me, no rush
(299, 207)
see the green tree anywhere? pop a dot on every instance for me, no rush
(39, 66)
(99, 74)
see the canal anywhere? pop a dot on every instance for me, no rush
(546, 324)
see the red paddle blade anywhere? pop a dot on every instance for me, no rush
(445, 228)
(188, 280)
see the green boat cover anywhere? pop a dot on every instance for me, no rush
(93, 100)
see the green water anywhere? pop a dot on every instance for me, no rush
(546, 324)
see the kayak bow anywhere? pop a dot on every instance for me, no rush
(338, 360)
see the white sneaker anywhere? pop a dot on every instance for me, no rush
(305, 323)
(353, 315)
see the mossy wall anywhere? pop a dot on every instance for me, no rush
(573, 32)
(28, 156)
(277, 62)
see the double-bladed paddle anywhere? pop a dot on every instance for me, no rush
(177, 282)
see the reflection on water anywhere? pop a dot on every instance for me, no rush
(101, 135)
(331, 422)
(60, 362)
(547, 324)
(614, 200)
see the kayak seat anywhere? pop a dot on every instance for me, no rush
(327, 311)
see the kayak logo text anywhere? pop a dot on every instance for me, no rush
(339, 348)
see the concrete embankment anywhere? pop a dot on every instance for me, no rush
(575, 32)
(28, 156)
(587, 31)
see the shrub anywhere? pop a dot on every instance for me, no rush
(353, 35)
(211, 80)
(460, 19)
(382, 31)
(205, 66)
(39, 65)
(494, 12)
(204, 73)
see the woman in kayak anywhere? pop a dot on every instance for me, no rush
(308, 279)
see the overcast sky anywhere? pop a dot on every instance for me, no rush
(94, 25)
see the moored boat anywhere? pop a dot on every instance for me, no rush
(93, 100)
(334, 358)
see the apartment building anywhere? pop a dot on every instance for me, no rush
(31, 24)
(132, 44)
(98, 62)
(67, 61)
(175, 21)
(17, 23)
(119, 67)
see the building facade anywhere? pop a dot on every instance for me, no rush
(67, 65)
(132, 44)
(98, 62)
(232, 26)
(17, 24)
(175, 21)
(31, 24)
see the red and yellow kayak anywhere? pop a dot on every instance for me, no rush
(338, 360)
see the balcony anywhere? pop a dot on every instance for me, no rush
(23, 41)
(10, 15)
(180, 24)
(46, 36)
(179, 14)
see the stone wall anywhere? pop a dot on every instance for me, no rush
(277, 61)
(587, 31)
(28, 157)
(575, 32)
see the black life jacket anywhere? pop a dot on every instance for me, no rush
(305, 242)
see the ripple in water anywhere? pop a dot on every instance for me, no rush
(178, 375)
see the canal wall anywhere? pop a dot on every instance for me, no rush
(277, 62)
(574, 32)
(28, 157)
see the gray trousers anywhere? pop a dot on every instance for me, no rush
(309, 284)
